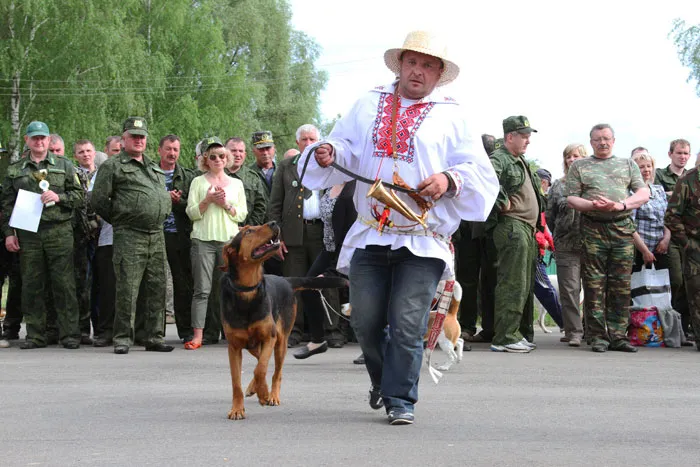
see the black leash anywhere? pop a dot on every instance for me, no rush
(355, 176)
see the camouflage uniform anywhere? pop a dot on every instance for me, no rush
(256, 195)
(679, 300)
(683, 220)
(608, 248)
(47, 255)
(514, 241)
(130, 195)
(85, 231)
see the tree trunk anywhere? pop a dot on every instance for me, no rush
(15, 100)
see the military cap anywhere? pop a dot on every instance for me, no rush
(206, 143)
(37, 129)
(262, 139)
(517, 123)
(135, 126)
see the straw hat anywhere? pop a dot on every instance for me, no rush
(425, 43)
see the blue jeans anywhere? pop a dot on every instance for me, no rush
(392, 287)
(545, 293)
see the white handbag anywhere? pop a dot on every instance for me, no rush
(651, 287)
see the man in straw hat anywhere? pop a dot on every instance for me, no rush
(412, 129)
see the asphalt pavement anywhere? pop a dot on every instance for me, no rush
(554, 406)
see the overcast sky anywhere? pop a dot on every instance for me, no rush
(565, 65)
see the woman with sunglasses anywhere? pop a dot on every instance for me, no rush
(216, 205)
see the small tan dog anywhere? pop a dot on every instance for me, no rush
(449, 340)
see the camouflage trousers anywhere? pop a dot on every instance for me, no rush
(691, 271)
(679, 299)
(139, 269)
(46, 260)
(606, 270)
(514, 303)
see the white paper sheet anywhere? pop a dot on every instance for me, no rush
(27, 211)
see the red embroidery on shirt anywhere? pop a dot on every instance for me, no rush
(406, 127)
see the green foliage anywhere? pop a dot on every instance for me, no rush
(687, 41)
(195, 69)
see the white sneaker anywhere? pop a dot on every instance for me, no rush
(529, 344)
(4, 344)
(518, 347)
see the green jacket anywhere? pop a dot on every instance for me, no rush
(256, 195)
(131, 194)
(62, 180)
(683, 219)
(511, 177)
(258, 171)
(666, 178)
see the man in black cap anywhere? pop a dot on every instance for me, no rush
(129, 194)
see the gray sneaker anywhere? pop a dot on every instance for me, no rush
(4, 344)
(575, 341)
(518, 347)
(529, 344)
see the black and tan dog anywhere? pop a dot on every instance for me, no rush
(258, 311)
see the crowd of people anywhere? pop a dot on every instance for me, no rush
(94, 271)
(441, 207)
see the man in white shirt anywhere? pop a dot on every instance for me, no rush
(412, 129)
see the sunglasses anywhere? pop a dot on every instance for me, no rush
(212, 157)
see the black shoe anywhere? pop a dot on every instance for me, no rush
(121, 349)
(624, 347)
(400, 417)
(599, 347)
(359, 360)
(85, 340)
(159, 347)
(101, 342)
(375, 398)
(27, 345)
(292, 342)
(10, 336)
(207, 341)
(52, 340)
(72, 345)
(336, 343)
(304, 352)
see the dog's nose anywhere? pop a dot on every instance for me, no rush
(272, 224)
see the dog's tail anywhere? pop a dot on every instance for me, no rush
(304, 283)
(456, 299)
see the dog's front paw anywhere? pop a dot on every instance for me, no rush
(273, 400)
(444, 367)
(236, 413)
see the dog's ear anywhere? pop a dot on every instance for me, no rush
(230, 251)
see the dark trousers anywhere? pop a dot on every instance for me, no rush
(104, 276)
(13, 307)
(297, 262)
(468, 259)
(487, 285)
(316, 317)
(177, 249)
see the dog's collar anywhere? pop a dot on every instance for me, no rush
(238, 288)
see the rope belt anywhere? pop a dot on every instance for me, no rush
(416, 233)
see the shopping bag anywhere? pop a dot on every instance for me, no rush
(645, 328)
(651, 287)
